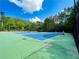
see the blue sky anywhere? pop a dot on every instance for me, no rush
(31, 9)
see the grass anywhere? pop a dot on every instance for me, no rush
(16, 46)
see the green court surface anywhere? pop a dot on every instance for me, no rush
(17, 46)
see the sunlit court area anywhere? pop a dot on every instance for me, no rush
(22, 46)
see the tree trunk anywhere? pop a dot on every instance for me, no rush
(76, 24)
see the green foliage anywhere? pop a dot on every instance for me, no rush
(49, 24)
(15, 24)
(63, 21)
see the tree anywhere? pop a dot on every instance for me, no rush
(2, 20)
(49, 24)
(62, 21)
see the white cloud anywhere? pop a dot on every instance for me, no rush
(35, 19)
(29, 5)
